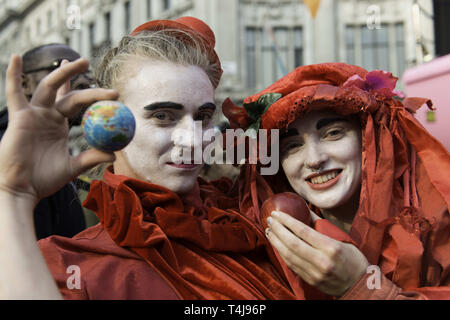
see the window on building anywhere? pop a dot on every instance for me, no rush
(127, 17)
(50, 19)
(382, 48)
(275, 54)
(108, 26)
(166, 4)
(271, 53)
(38, 27)
(267, 67)
(400, 47)
(281, 47)
(375, 48)
(92, 35)
(250, 41)
(79, 38)
(350, 44)
(298, 47)
(27, 34)
(149, 9)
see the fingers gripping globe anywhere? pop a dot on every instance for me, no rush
(108, 125)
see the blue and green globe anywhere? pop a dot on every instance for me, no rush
(108, 125)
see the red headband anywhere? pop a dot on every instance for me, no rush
(193, 26)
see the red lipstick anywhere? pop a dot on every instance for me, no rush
(186, 166)
(325, 185)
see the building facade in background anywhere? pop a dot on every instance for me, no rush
(258, 41)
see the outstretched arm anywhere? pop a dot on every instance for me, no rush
(34, 163)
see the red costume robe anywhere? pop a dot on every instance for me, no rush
(152, 244)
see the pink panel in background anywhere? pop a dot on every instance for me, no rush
(432, 80)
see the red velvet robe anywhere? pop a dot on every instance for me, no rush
(152, 244)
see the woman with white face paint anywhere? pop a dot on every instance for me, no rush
(164, 233)
(371, 175)
(321, 157)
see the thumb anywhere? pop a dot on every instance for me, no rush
(89, 159)
(314, 216)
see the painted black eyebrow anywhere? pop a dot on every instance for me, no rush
(177, 106)
(324, 122)
(291, 132)
(164, 105)
(206, 106)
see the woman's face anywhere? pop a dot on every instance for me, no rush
(167, 100)
(321, 157)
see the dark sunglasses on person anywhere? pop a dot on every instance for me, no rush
(55, 65)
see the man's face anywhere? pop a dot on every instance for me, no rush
(321, 157)
(47, 60)
(166, 99)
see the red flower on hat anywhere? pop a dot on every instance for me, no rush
(249, 116)
(378, 82)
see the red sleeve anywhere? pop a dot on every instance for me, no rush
(389, 291)
(386, 291)
(58, 263)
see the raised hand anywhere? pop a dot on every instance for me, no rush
(34, 152)
(330, 265)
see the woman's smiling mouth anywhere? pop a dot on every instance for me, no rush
(186, 166)
(324, 179)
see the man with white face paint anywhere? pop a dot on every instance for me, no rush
(166, 121)
(372, 177)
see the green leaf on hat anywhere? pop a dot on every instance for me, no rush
(256, 109)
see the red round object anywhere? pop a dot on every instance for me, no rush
(287, 202)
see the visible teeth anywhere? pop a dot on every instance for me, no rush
(324, 178)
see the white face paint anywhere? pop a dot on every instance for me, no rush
(165, 99)
(321, 157)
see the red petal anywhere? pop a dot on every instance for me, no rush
(237, 116)
(356, 81)
(378, 79)
(385, 92)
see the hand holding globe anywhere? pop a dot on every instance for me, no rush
(36, 161)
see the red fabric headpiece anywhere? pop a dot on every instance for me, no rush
(195, 27)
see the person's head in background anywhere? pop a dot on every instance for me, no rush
(166, 72)
(38, 62)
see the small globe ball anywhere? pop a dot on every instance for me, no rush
(108, 125)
